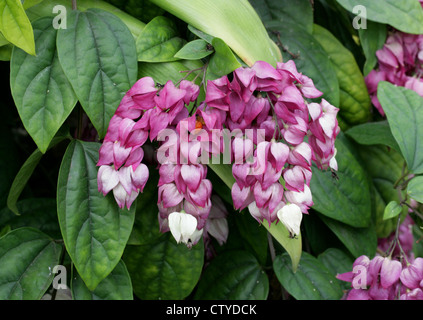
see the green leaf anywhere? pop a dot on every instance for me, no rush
(98, 55)
(222, 62)
(38, 213)
(163, 269)
(202, 35)
(235, 22)
(354, 103)
(116, 286)
(372, 39)
(15, 25)
(404, 111)
(27, 258)
(347, 198)
(159, 41)
(25, 173)
(43, 95)
(337, 261)
(383, 167)
(373, 133)
(233, 275)
(94, 229)
(300, 12)
(309, 56)
(415, 189)
(359, 241)
(312, 280)
(404, 15)
(392, 210)
(195, 50)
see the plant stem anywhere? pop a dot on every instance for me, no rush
(271, 246)
(74, 6)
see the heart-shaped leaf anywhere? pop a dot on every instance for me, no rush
(42, 93)
(94, 229)
(15, 25)
(233, 275)
(404, 111)
(27, 259)
(98, 55)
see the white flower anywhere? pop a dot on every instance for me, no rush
(183, 227)
(290, 215)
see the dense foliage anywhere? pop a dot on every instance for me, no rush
(92, 208)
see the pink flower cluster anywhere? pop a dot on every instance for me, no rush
(273, 101)
(270, 120)
(400, 62)
(396, 277)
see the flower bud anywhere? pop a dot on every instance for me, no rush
(290, 215)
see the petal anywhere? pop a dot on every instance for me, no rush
(390, 272)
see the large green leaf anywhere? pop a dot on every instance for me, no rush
(43, 95)
(98, 55)
(299, 12)
(372, 39)
(415, 189)
(404, 111)
(159, 41)
(38, 213)
(235, 22)
(347, 198)
(116, 286)
(162, 269)
(358, 241)
(15, 25)
(311, 281)
(354, 103)
(94, 229)
(27, 259)
(309, 56)
(404, 15)
(233, 275)
(384, 168)
(373, 133)
(25, 173)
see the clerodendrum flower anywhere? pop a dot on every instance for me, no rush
(271, 123)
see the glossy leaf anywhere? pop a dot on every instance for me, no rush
(404, 15)
(235, 22)
(311, 281)
(38, 213)
(222, 62)
(116, 286)
(354, 99)
(42, 93)
(24, 175)
(16, 26)
(358, 241)
(27, 258)
(415, 189)
(94, 229)
(233, 275)
(383, 167)
(300, 12)
(159, 41)
(195, 50)
(392, 210)
(372, 39)
(98, 55)
(404, 111)
(373, 133)
(308, 55)
(346, 198)
(162, 269)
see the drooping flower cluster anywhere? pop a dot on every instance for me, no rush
(274, 135)
(400, 62)
(266, 111)
(396, 277)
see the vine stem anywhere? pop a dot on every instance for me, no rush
(271, 246)
(74, 6)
